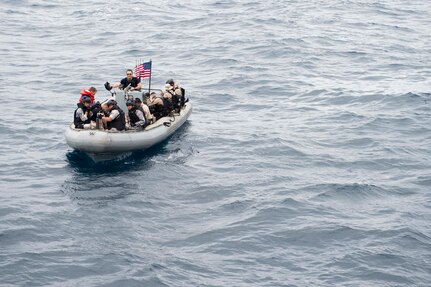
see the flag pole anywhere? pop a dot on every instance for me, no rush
(151, 74)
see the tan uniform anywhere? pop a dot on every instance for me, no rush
(148, 116)
(170, 91)
(154, 100)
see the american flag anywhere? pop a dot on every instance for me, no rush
(143, 71)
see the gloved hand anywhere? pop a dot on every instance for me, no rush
(108, 86)
(95, 106)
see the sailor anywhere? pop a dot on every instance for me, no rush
(91, 93)
(136, 115)
(159, 105)
(116, 119)
(147, 113)
(174, 93)
(103, 112)
(81, 117)
(129, 80)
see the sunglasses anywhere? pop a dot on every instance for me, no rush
(129, 74)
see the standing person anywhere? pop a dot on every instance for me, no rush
(81, 117)
(91, 93)
(134, 82)
(116, 119)
(136, 115)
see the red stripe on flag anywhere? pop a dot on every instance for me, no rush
(141, 72)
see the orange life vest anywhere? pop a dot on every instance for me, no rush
(85, 92)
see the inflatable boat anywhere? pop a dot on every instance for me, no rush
(102, 144)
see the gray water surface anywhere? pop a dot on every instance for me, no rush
(306, 161)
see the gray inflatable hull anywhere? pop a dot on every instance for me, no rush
(102, 142)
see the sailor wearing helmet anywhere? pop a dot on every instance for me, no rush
(116, 119)
(136, 115)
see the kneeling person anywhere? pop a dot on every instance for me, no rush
(81, 118)
(175, 94)
(136, 115)
(147, 113)
(116, 119)
(159, 106)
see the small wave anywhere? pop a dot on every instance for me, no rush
(413, 100)
(347, 192)
(424, 180)
(6, 130)
(44, 6)
(277, 147)
(176, 156)
(237, 205)
(87, 190)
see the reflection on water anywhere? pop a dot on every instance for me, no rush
(102, 182)
(128, 173)
(80, 162)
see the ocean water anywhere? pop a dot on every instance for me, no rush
(306, 161)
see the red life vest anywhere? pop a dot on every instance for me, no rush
(85, 92)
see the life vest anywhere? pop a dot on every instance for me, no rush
(160, 111)
(88, 93)
(177, 101)
(167, 104)
(174, 98)
(79, 124)
(149, 114)
(119, 123)
(133, 117)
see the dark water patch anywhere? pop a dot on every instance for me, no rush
(107, 191)
(84, 164)
(24, 235)
(406, 99)
(350, 192)
(15, 12)
(383, 123)
(424, 180)
(361, 143)
(321, 237)
(15, 2)
(44, 5)
(344, 116)
(314, 93)
(412, 239)
(220, 61)
(236, 205)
